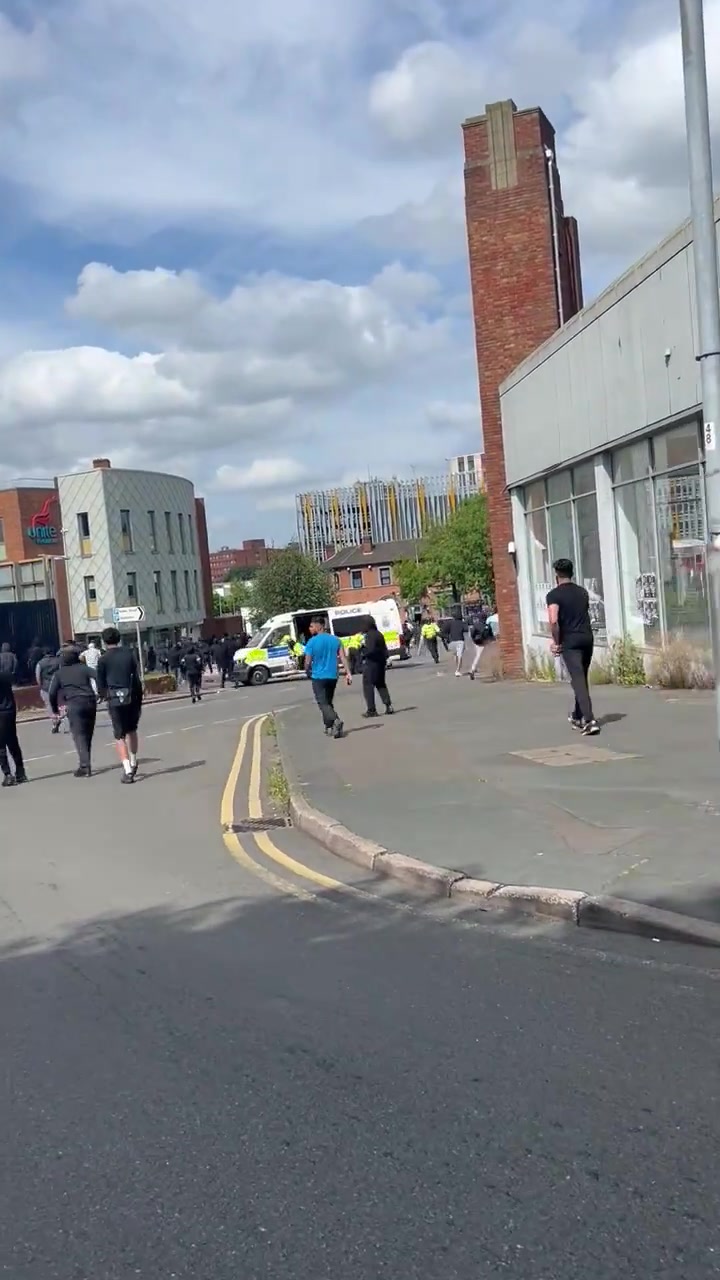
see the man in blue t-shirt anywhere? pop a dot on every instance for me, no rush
(323, 652)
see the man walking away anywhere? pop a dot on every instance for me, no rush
(193, 664)
(73, 682)
(8, 661)
(457, 630)
(480, 634)
(9, 744)
(119, 682)
(429, 633)
(374, 666)
(44, 672)
(35, 653)
(569, 616)
(322, 654)
(91, 657)
(174, 658)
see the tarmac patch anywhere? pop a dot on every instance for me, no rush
(573, 753)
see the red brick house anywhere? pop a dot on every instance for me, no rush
(367, 572)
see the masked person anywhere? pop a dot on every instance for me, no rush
(119, 682)
(74, 685)
(374, 657)
(9, 745)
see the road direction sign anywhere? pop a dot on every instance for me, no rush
(131, 613)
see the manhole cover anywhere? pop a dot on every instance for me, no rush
(575, 753)
(258, 824)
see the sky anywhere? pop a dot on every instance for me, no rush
(232, 240)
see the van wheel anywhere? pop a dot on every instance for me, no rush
(260, 675)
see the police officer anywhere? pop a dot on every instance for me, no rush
(354, 645)
(430, 632)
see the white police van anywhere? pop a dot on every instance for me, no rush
(268, 654)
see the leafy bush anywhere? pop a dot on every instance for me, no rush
(158, 682)
(679, 665)
(601, 671)
(541, 666)
(626, 662)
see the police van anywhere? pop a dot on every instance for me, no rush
(268, 653)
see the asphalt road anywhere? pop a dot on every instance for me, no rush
(217, 1068)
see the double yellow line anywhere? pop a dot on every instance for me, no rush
(261, 839)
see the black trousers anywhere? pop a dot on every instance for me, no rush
(373, 679)
(195, 683)
(432, 648)
(578, 662)
(9, 743)
(324, 691)
(81, 716)
(226, 671)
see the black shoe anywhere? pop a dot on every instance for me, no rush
(127, 777)
(591, 729)
(338, 727)
(21, 777)
(8, 780)
(369, 715)
(82, 772)
(133, 770)
(390, 711)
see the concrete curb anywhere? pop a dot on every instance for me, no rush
(620, 915)
(29, 717)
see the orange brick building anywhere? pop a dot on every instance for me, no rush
(367, 572)
(31, 551)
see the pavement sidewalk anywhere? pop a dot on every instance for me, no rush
(490, 780)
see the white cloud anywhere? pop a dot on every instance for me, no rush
(263, 473)
(447, 415)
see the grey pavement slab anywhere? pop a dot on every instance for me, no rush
(476, 777)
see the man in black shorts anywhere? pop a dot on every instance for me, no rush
(118, 680)
(569, 616)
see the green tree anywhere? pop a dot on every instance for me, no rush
(412, 579)
(458, 555)
(292, 581)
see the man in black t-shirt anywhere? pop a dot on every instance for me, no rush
(118, 680)
(569, 615)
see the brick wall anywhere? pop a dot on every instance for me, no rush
(370, 590)
(515, 302)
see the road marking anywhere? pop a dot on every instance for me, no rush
(232, 843)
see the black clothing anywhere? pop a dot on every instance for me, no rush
(125, 720)
(8, 664)
(374, 648)
(575, 631)
(81, 717)
(577, 660)
(72, 681)
(374, 680)
(457, 630)
(432, 648)
(34, 655)
(7, 697)
(324, 691)
(193, 664)
(118, 677)
(47, 667)
(9, 744)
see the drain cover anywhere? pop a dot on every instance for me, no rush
(258, 824)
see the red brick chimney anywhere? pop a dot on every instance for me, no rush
(101, 464)
(517, 252)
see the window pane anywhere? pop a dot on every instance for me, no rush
(677, 447)
(631, 463)
(6, 576)
(638, 565)
(584, 478)
(589, 569)
(558, 487)
(539, 557)
(681, 540)
(562, 539)
(535, 495)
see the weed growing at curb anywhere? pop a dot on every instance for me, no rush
(278, 788)
(271, 727)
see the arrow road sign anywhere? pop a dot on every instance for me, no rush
(131, 613)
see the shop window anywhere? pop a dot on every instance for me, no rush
(540, 572)
(584, 479)
(356, 579)
(7, 584)
(31, 583)
(588, 568)
(559, 487)
(83, 522)
(680, 518)
(126, 537)
(677, 448)
(631, 463)
(562, 523)
(385, 576)
(638, 562)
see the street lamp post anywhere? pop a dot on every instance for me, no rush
(707, 290)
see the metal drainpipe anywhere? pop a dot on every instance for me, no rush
(550, 157)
